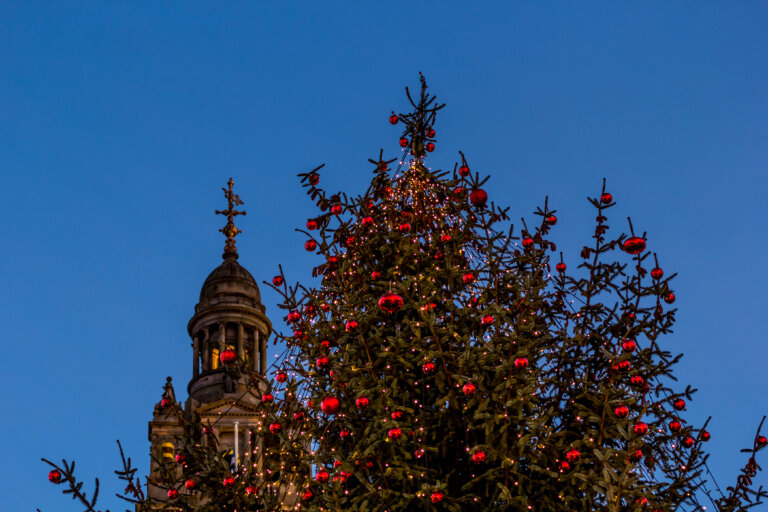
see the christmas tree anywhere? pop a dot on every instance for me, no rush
(451, 359)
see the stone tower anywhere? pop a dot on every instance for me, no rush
(228, 315)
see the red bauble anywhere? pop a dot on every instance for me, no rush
(299, 416)
(326, 344)
(437, 497)
(551, 220)
(281, 377)
(164, 402)
(621, 366)
(322, 476)
(633, 245)
(375, 275)
(419, 453)
(227, 356)
(306, 495)
(621, 411)
(362, 402)
(445, 238)
(54, 476)
(275, 428)
(310, 245)
(251, 489)
(267, 398)
(173, 493)
(330, 405)
(390, 302)
(404, 227)
(277, 280)
(468, 278)
(642, 501)
(606, 198)
(487, 320)
(675, 426)
(628, 345)
(190, 484)
(294, 316)
(636, 456)
(564, 466)
(478, 457)
(688, 441)
(560, 267)
(463, 171)
(521, 363)
(322, 362)
(573, 456)
(312, 225)
(679, 404)
(393, 119)
(403, 142)
(637, 380)
(428, 367)
(761, 441)
(431, 133)
(394, 433)
(527, 242)
(478, 197)
(351, 326)
(181, 458)
(314, 179)
(657, 273)
(669, 298)
(430, 146)
(299, 334)
(367, 221)
(336, 209)
(396, 415)
(469, 389)
(705, 436)
(640, 428)
(229, 481)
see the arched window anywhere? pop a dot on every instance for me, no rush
(215, 359)
(167, 452)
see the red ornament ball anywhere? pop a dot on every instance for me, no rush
(54, 476)
(551, 220)
(564, 466)
(431, 132)
(306, 495)
(375, 275)
(688, 441)
(362, 402)
(312, 225)
(478, 197)
(267, 398)
(430, 146)
(675, 426)
(322, 476)
(521, 363)
(527, 242)
(621, 411)
(437, 497)
(669, 298)
(275, 428)
(468, 278)
(390, 302)
(478, 457)
(640, 428)
(637, 380)
(367, 221)
(330, 405)
(403, 142)
(229, 481)
(190, 484)
(761, 441)
(251, 489)
(393, 119)
(281, 377)
(310, 245)
(463, 171)
(606, 198)
(628, 345)
(445, 238)
(322, 362)
(469, 389)
(294, 316)
(679, 404)
(277, 280)
(636, 456)
(173, 493)
(657, 273)
(419, 453)
(298, 416)
(560, 267)
(344, 433)
(705, 436)
(181, 458)
(336, 209)
(394, 433)
(404, 227)
(428, 367)
(227, 356)
(164, 402)
(396, 415)
(487, 320)
(573, 456)
(351, 326)
(314, 179)
(633, 245)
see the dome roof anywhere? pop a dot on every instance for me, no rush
(230, 278)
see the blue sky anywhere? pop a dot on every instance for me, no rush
(119, 123)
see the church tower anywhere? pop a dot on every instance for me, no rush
(229, 320)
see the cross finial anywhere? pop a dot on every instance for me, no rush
(230, 230)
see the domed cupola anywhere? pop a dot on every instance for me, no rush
(229, 315)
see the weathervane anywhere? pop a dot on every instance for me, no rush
(230, 230)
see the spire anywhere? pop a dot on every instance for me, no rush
(230, 230)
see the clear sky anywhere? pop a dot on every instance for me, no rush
(120, 121)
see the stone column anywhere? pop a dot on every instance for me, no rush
(263, 354)
(206, 349)
(255, 357)
(240, 336)
(195, 355)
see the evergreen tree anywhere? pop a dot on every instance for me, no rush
(449, 360)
